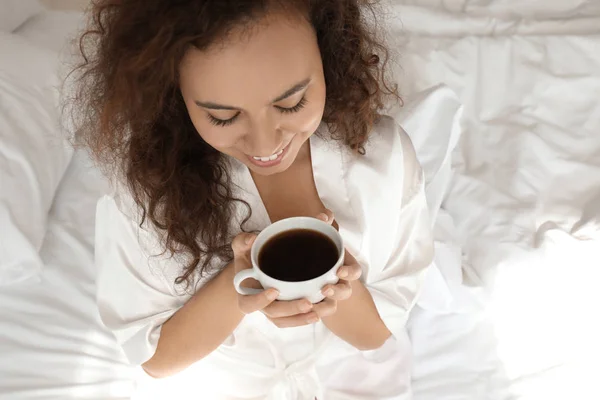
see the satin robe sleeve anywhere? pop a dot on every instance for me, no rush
(135, 288)
(395, 283)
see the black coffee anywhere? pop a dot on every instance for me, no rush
(298, 255)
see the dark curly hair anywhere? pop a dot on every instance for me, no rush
(128, 110)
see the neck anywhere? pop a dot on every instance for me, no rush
(303, 155)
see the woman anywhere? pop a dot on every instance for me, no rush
(218, 118)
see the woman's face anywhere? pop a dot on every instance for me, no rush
(259, 97)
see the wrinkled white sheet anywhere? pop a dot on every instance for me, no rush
(52, 343)
(525, 200)
(33, 157)
(526, 194)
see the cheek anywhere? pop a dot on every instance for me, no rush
(308, 119)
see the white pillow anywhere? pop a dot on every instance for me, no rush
(16, 12)
(53, 29)
(33, 153)
(26, 62)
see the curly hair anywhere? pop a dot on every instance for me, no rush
(128, 110)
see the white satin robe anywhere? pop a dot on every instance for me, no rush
(380, 206)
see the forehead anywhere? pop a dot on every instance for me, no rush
(265, 60)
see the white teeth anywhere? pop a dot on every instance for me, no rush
(270, 158)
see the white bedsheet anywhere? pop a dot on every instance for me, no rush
(525, 200)
(52, 343)
(526, 195)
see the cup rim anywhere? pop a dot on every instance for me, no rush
(330, 230)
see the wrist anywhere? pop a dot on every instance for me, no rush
(224, 283)
(343, 306)
(357, 321)
(226, 274)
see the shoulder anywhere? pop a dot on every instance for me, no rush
(119, 204)
(119, 228)
(388, 136)
(389, 167)
(387, 142)
(128, 244)
(390, 150)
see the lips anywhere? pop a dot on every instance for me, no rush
(271, 160)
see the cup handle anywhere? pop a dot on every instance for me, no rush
(241, 277)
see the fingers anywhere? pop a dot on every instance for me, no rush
(241, 251)
(296, 320)
(242, 243)
(343, 289)
(251, 303)
(326, 216)
(321, 310)
(281, 309)
(325, 308)
(350, 272)
(339, 292)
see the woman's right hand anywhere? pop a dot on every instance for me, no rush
(284, 314)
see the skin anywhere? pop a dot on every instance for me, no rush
(248, 75)
(239, 82)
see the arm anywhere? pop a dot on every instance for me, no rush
(396, 285)
(158, 325)
(394, 289)
(369, 313)
(348, 309)
(379, 305)
(357, 321)
(213, 312)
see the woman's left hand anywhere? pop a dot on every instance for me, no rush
(348, 273)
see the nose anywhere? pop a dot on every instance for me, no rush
(264, 137)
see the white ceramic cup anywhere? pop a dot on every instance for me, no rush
(310, 289)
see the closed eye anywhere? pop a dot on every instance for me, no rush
(286, 110)
(222, 122)
(299, 106)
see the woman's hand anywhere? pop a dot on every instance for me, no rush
(287, 314)
(353, 302)
(284, 314)
(349, 272)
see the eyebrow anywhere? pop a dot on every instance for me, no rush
(288, 93)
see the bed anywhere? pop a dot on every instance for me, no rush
(525, 195)
(523, 205)
(52, 343)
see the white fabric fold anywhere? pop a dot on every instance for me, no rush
(33, 154)
(379, 202)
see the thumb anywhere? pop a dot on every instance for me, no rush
(255, 302)
(326, 216)
(242, 243)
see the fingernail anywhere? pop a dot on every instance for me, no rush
(313, 319)
(249, 239)
(343, 273)
(306, 307)
(272, 295)
(328, 292)
(323, 217)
